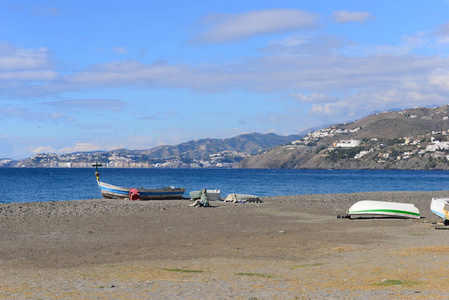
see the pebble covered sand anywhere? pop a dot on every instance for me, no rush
(288, 247)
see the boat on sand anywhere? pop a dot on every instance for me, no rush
(110, 191)
(440, 207)
(382, 209)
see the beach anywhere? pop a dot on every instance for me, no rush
(287, 247)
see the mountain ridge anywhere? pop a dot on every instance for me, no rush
(410, 139)
(206, 152)
(414, 138)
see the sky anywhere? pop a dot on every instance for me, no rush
(78, 75)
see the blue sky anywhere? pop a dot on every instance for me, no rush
(81, 75)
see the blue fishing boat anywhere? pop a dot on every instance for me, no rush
(110, 191)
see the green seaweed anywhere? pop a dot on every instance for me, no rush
(256, 274)
(308, 265)
(183, 270)
(399, 282)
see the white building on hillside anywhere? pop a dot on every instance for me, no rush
(347, 143)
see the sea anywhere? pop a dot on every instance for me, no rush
(66, 184)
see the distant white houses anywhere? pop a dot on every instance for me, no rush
(5, 161)
(64, 164)
(362, 153)
(347, 143)
(327, 132)
(437, 145)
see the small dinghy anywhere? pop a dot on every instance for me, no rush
(382, 209)
(440, 207)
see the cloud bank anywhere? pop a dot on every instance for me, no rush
(221, 28)
(344, 16)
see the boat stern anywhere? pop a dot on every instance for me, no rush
(440, 207)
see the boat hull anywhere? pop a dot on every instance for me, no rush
(110, 191)
(381, 209)
(213, 195)
(440, 207)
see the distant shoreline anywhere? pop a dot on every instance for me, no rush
(340, 201)
(237, 168)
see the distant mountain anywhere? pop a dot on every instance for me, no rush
(250, 143)
(198, 153)
(415, 138)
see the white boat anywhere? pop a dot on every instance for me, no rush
(382, 209)
(214, 195)
(240, 198)
(440, 207)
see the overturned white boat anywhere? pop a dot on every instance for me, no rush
(382, 209)
(214, 195)
(440, 207)
(241, 198)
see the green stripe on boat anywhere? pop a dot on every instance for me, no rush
(384, 210)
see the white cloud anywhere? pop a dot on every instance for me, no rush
(162, 116)
(86, 147)
(312, 97)
(440, 78)
(344, 16)
(409, 44)
(126, 73)
(89, 104)
(44, 149)
(443, 40)
(43, 75)
(349, 106)
(442, 34)
(233, 27)
(303, 45)
(23, 68)
(337, 85)
(32, 116)
(331, 109)
(14, 58)
(315, 76)
(442, 30)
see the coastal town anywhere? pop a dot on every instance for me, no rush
(434, 144)
(411, 139)
(415, 138)
(124, 160)
(202, 153)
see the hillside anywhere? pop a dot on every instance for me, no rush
(199, 153)
(250, 144)
(415, 139)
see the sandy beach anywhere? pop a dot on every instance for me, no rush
(289, 247)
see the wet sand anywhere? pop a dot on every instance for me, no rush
(289, 247)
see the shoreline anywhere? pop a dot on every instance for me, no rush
(285, 247)
(339, 201)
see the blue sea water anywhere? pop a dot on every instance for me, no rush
(61, 184)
